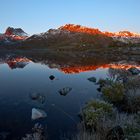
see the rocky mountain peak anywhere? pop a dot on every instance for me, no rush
(10, 31)
(80, 29)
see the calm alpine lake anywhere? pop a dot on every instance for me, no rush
(60, 91)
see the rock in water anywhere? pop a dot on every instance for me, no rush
(65, 91)
(34, 95)
(38, 113)
(38, 97)
(134, 71)
(92, 79)
(52, 77)
(38, 133)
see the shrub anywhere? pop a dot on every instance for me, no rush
(113, 93)
(96, 110)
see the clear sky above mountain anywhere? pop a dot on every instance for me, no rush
(36, 16)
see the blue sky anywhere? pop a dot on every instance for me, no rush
(36, 16)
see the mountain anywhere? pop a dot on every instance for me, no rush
(83, 29)
(80, 29)
(12, 36)
(15, 32)
(66, 37)
(123, 36)
(69, 36)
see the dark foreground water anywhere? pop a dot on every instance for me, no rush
(17, 83)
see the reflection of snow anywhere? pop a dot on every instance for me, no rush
(18, 62)
(78, 69)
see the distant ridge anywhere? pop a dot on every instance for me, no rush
(68, 34)
(84, 29)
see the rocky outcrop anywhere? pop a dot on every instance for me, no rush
(12, 36)
(80, 29)
(10, 31)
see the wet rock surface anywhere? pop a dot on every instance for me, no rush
(39, 97)
(52, 77)
(38, 113)
(37, 133)
(134, 71)
(92, 79)
(65, 91)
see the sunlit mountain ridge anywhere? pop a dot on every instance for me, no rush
(84, 29)
(17, 34)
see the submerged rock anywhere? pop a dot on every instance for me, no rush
(3, 135)
(38, 97)
(92, 79)
(65, 91)
(134, 71)
(34, 95)
(38, 133)
(38, 113)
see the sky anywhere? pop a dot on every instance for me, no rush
(36, 16)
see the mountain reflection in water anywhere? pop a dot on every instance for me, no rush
(26, 84)
(21, 62)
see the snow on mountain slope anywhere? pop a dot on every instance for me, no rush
(10, 31)
(12, 35)
(123, 36)
(69, 32)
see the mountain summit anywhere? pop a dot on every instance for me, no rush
(12, 35)
(80, 29)
(84, 29)
(69, 34)
(123, 36)
(15, 31)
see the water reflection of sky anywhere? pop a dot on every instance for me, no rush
(19, 77)
(62, 111)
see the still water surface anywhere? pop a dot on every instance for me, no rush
(17, 84)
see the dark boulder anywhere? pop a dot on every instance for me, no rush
(52, 77)
(92, 79)
(134, 71)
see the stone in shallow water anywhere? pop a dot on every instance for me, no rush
(134, 71)
(65, 91)
(37, 133)
(92, 79)
(38, 113)
(52, 77)
(38, 97)
(34, 95)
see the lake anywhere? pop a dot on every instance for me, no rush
(21, 78)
